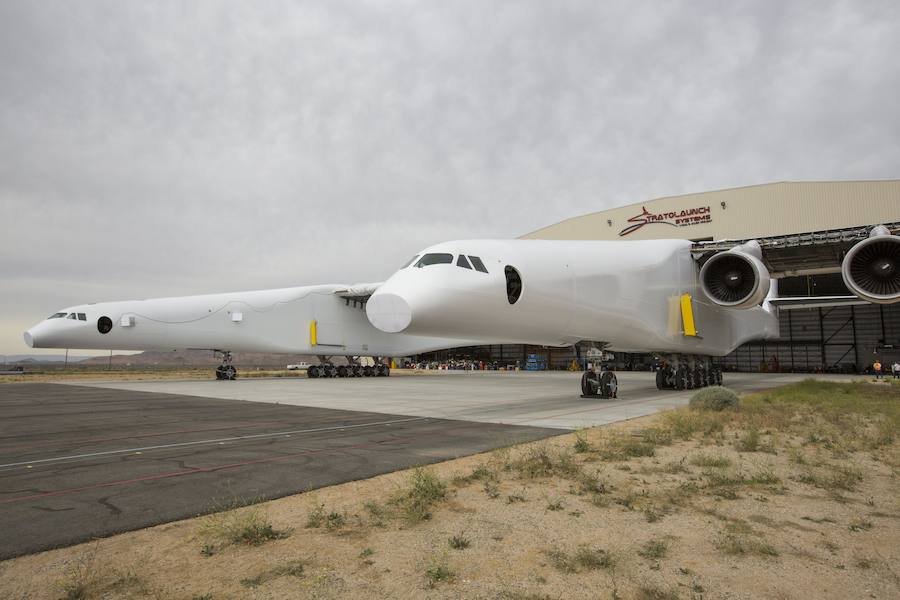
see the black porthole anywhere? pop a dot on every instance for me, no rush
(104, 324)
(513, 284)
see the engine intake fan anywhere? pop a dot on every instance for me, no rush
(871, 269)
(736, 278)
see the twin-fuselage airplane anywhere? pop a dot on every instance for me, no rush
(658, 296)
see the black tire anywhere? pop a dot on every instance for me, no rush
(368, 371)
(680, 379)
(330, 371)
(312, 372)
(356, 371)
(230, 373)
(588, 384)
(220, 373)
(342, 371)
(609, 385)
(661, 379)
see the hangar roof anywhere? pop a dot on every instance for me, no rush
(756, 211)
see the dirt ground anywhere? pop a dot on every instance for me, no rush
(793, 495)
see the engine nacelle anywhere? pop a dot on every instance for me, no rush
(871, 269)
(736, 278)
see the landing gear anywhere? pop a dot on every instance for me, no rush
(686, 373)
(354, 369)
(226, 371)
(599, 385)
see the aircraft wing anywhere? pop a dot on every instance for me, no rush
(800, 254)
(359, 292)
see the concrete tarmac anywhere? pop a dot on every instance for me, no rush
(538, 399)
(80, 462)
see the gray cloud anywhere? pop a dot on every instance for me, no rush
(175, 148)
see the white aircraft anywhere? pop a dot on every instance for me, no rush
(683, 300)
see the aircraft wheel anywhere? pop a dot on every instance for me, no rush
(368, 371)
(312, 372)
(220, 373)
(700, 378)
(661, 379)
(342, 371)
(609, 385)
(680, 379)
(230, 373)
(588, 384)
(356, 371)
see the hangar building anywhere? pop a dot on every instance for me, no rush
(843, 339)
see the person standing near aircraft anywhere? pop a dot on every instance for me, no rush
(895, 369)
(877, 368)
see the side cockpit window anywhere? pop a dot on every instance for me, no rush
(57, 316)
(462, 262)
(437, 258)
(476, 262)
(82, 317)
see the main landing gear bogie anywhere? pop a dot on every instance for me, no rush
(684, 376)
(328, 370)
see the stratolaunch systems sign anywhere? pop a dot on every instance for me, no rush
(678, 218)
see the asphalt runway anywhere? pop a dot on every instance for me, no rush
(80, 462)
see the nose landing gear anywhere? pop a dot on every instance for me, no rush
(226, 371)
(599, 385)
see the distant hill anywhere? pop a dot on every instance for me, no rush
(194, 358)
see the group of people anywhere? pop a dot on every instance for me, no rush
(878, 368)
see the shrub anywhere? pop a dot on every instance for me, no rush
(714, 398)
(425, 489)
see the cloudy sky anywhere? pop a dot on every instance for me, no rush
(171, 147)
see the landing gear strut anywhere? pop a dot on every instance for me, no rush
(226, 370)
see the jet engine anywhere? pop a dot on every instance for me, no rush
(871, 269)
(736, 278)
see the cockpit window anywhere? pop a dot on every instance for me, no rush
(438, 258)
(57, 316)
(462, 262)
(82, 317)
(72, 316)
(411, 261)
(476, 262)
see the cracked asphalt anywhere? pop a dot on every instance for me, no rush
(79, 462)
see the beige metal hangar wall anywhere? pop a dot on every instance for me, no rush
(845, 338)
(738, 213)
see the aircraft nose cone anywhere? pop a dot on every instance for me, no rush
(388, 312)
(29, 339)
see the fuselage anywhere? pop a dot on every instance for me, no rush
(277, 321)
(625, 294)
